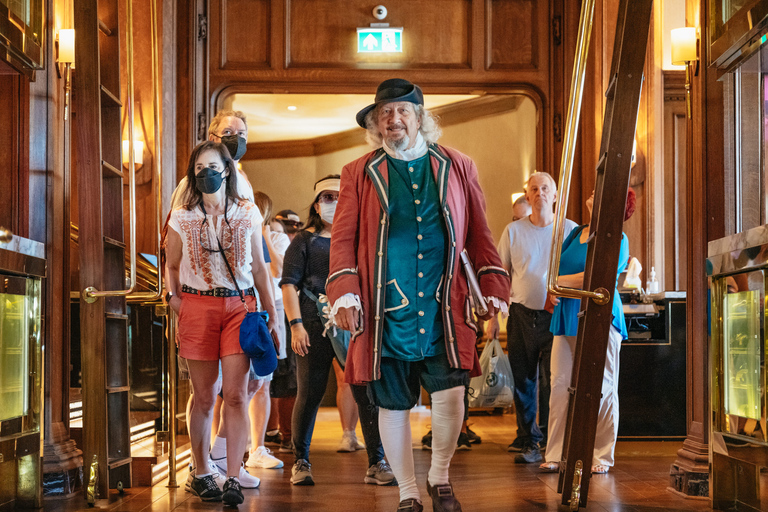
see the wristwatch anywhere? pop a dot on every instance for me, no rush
(296, 321)
(168, 297)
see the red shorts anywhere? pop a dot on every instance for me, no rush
(209, 327)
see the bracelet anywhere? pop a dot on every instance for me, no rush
(296, 321)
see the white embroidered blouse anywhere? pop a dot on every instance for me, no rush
(202, 266)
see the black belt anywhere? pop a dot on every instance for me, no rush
(217, 292)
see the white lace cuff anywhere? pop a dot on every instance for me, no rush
(348, 300)
(499, 304)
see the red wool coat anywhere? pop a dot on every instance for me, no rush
(359, 254)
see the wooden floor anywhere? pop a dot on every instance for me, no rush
(485, 479)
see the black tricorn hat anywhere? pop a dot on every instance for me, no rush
(390, 91)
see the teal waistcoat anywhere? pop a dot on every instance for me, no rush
(413, 327)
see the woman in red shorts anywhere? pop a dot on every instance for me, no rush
(215, 222)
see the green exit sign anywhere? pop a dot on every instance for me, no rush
(379, 40)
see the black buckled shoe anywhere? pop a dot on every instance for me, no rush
(443, 499)
(410, 505)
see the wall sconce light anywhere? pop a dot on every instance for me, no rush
(684, 51)
(138, 153)
(516, 196)
(66, 57)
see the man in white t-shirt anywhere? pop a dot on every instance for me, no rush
(524, 248)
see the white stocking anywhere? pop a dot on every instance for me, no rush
(395, 430)
(447, 417)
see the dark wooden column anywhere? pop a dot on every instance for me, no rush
(706, 221)
(50, 148)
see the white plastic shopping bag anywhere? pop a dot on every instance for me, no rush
(494, 388)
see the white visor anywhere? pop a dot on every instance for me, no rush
(332, 184)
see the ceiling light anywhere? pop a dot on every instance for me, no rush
(292, 107)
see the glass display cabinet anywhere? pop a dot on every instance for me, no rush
(22, 24)
(21, 374)
(739, 447)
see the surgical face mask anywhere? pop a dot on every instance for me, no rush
(327, 211)
(235, 144)
(209, 181)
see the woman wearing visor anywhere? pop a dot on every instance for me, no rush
(305, 268)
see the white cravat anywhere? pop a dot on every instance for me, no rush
(418, 150)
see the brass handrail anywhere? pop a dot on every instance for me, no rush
(91, 294)
(172, 398)
(157, 161)
(566, 164)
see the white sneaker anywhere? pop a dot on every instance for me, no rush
(221, 465)
(248, 481)
(262, 457)
(190, 477)
(218, 475)
(350, 443)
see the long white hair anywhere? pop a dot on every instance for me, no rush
(430, 129)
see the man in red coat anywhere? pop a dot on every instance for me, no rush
(405, 213)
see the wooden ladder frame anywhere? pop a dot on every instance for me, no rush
(604, 244)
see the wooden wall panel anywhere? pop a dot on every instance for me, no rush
(311, 47)
(9, 152)
(322, 33)
(512, 30)
(244, 32)
(675, 177)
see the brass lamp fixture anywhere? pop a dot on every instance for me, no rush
(66, 57)
(685, 43)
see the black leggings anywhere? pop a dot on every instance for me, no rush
(312, 377)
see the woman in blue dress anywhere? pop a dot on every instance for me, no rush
(564, 326)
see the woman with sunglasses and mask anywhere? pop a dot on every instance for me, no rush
(305, 268)
(214, 224)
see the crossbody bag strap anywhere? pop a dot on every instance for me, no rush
(309, 294)
(232, 274)
(304, 289)
(226, 261)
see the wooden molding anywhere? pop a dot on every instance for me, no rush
(674, 85)
(456, 113)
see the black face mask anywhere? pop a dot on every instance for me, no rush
(209, 181)
(235, 144)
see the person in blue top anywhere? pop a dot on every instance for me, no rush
(564, 327)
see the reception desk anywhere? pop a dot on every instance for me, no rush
(652, 368)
